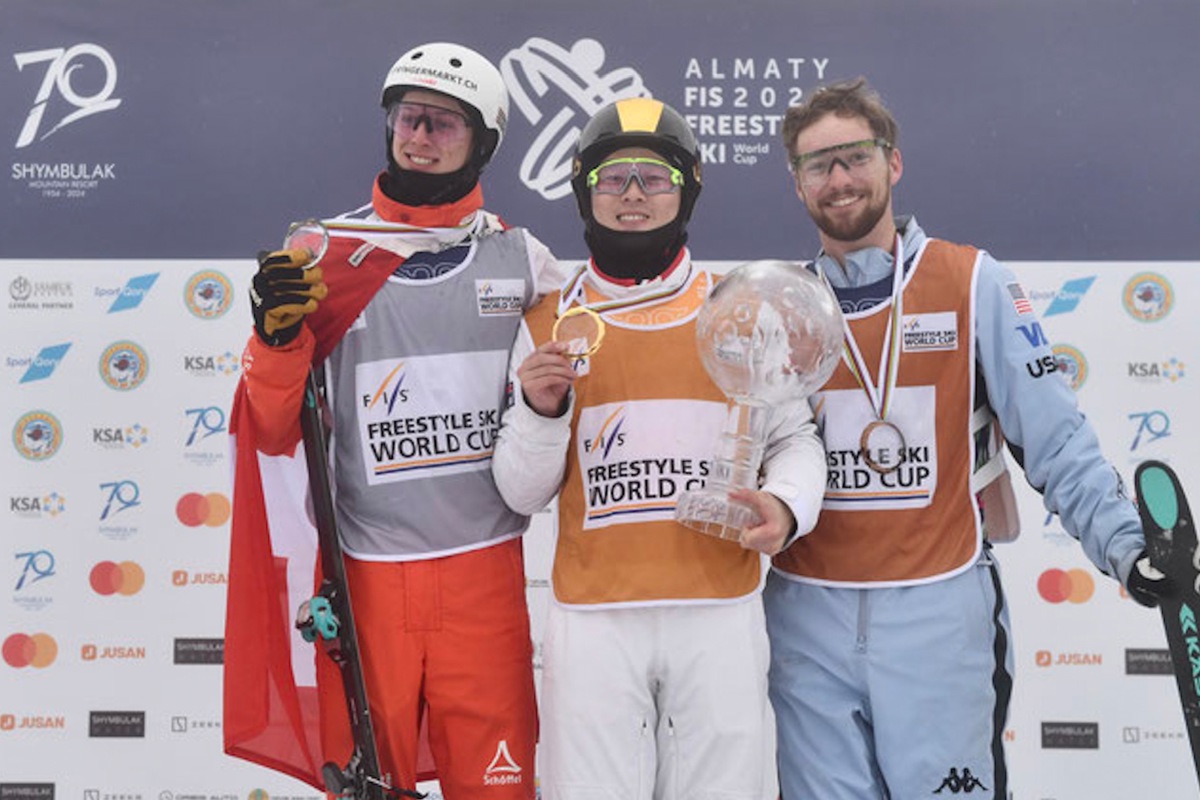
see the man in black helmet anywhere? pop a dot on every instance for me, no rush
(655, 655)
(411, 315)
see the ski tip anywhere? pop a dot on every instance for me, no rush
(1157, 493)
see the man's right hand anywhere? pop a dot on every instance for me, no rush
(283, 292)
(546, 377)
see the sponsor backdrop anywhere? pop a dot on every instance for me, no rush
(151, 149)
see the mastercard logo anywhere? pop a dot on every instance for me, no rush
(195, 509)
(21, 650)
(1072, 586)
(125, 578)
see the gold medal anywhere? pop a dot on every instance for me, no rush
(581, 329)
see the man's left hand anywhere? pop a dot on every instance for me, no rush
(776, 521)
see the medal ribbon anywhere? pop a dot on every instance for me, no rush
(880, 393)
(576, 294)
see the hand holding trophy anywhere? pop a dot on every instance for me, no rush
(769, 332)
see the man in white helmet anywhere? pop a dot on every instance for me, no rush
(410, 316)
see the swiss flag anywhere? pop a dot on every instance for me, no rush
(279, 690)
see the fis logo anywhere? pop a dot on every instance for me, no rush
(609, 435)
(390, 392)
(535, 68)
(56, 83)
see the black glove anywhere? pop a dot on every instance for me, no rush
(282, 293)
(1146, 584)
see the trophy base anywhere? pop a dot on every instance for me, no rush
(712, 512)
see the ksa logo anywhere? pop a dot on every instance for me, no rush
(63, 67)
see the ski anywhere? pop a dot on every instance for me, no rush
(1172, 547)
(329, 618)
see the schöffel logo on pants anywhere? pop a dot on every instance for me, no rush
(1071, 735)
(1148, 661)
(199, 651)
(117, 724)
(26, 791)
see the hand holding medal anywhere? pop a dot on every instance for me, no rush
(581, 329)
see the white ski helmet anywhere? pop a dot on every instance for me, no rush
(457, 71)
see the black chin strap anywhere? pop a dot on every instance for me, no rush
(638, 256)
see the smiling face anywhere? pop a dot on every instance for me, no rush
(633, 209)
(430, 145)
(852, 209)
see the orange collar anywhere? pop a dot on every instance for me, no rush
(450, 215)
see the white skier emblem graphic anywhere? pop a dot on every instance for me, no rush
(503, 769)
(531, 72)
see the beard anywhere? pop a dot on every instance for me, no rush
(850, 229)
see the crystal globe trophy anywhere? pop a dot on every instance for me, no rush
(770, 332)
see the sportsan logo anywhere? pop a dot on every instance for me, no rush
(390, 391)
(130, 295)
(1066, 298)
(1071, 365)
(57, 85)
(208, 294)
(1148, 297)
(124, 366)
(1071, 586)
(609, 436)
(37, 435)
(581, 89)
(41, 366)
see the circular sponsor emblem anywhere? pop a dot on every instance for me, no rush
(20, 288)
(1148, 297)
(124, 365)
(1071, 364)
(37, 435)
(208, 294)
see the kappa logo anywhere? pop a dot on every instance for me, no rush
(531, 71)
(503, 769)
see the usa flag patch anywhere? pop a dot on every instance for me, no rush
(1019, 300)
